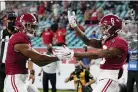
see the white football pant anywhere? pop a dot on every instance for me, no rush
(106, 85)
(17, 83)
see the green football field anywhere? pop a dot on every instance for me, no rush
(58, 91)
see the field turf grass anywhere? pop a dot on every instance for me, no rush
(59, 90)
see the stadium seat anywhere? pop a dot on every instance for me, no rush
(120, 10)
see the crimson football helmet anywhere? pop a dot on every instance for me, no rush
(110, 24)
(27, 23)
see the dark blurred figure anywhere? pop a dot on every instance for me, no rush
(10, 29)
(73, 6)
(63, 19)
(109, 5)
(132, 70)
(134, 5)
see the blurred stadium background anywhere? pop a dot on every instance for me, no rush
(88, 15)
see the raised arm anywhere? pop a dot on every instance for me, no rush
(81, 34)
(90, 42)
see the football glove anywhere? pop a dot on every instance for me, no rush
(64, 53)
(72, 19)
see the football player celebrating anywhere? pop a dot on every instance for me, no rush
(112, 49)
(19, 50)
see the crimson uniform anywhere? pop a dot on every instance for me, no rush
(113, 58)
(16, 71)
(110, 67)
(115, 63)
(114, 51)
(15, 61)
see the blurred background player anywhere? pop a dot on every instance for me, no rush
(82, 78)
(132, 70)
(47, 36)
(60, 35)
(112, 48)
(18, 51)
(4, 37)
(49, 72)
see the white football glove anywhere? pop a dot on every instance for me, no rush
(64, 53)
(60, 57)
(72, 19)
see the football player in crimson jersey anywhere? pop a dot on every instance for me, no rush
(19, 50)
(112, 48)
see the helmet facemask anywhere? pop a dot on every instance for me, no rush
(105, 31)
(27, 24)
(108, 31)
(30, 29)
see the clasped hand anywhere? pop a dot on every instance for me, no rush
(64, 53)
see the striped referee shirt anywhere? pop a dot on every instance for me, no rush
(4, 37)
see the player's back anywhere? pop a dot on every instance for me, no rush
(16, 61)
(115, 63)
